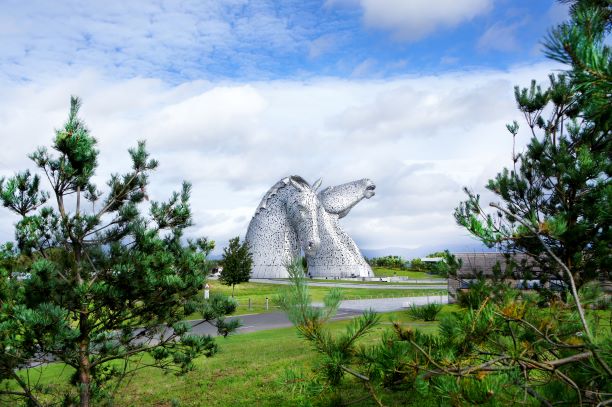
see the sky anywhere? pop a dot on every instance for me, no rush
(234, 95)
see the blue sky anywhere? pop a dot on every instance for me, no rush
(234, 95)
(179, 41)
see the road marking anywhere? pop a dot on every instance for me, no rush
(248, 326)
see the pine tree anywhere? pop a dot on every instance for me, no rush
(237, 262)
(100, 282)
(338, 351)
(556, 199)
(511, 347)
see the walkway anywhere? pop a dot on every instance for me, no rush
(383, 286)
(348, 309)
(391, 304)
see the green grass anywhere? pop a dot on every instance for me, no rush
(258, 292)
(246, 372)
(417, 275)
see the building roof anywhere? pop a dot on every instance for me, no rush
(432, 259)
(483, 263)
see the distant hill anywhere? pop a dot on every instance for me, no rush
(423, 251)
(407, 253)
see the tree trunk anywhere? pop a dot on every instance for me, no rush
(84, 377)
(84, 363)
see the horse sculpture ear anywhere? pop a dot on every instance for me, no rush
(297, 185)
(317, 184)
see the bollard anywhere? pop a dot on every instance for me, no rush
(267, 307)
(249, 304)
(206, 291)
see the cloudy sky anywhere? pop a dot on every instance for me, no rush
(234, 95)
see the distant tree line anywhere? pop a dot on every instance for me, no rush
(448, 265)
(391, 262)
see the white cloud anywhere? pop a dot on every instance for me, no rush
(419, 138)
(221, 117)
(415, 19)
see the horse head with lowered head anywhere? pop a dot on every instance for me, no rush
(302, 210)
(284, 224)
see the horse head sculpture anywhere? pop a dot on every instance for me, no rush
(284, 224)
(293, 218)
(339, 256)
(340, 199)
(302, 208)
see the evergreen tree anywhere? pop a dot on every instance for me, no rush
(237, 262)
(339, 351)
(91, 284)
(556, 199)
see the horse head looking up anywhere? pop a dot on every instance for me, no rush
(285, 221)
(339, 256)
(340, 199)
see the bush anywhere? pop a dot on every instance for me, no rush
(427, 312)
(480, 290)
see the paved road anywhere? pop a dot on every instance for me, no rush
(348, 309)
(273, 320)
(391, 304)
(262, 322)
(382, 286)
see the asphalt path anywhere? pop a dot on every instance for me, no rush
(274, 320)
(262, 322)
(348, 309)
(404, 286)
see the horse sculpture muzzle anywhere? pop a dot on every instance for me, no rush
(369, 190)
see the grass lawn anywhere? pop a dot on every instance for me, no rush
(417, 275)
(258, 292)
(247, 372)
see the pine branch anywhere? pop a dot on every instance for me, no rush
(560, 263)
(26, 389)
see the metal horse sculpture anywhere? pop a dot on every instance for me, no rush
(285, 221)
(292, 217)
(338, 255)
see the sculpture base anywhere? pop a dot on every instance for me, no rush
(314, 271)
(342, 271)
(269, 272)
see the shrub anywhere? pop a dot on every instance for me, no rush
(481, 289)
(427, 312)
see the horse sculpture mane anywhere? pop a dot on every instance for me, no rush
(275, 188)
